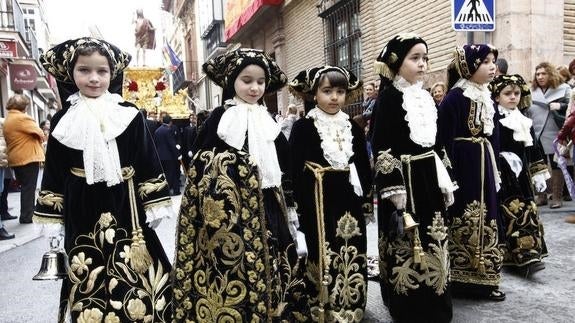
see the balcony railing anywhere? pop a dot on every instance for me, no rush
(12, 19)
(32, 43)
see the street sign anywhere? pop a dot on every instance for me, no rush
(473, 15)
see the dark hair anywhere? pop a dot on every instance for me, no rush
(335, 78)
(89, 50)
(166, 119)
(452, 75)
(502, 65)
(229, 91)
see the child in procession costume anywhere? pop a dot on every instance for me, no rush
(332, 187)
(522, 166)
(412, 182)
(235, 258)
(468, 127)
(103, 183)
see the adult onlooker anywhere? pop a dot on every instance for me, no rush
(438, 91)
(189, 134)
(25, 153)
(501, 67)
(169, 154)
(564, 74)
(571, 81)
(4, 235)
(288, 121)
(151, 123)
(550, 99)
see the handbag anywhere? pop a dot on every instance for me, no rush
(558, 117)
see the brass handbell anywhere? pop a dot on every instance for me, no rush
(54, 262)
(408, 222)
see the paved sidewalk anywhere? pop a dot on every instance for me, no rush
(24, 232)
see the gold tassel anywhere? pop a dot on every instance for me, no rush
(140, 259)
(383, 69)
(418, 253)
(481, 268)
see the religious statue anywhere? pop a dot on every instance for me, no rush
(145, 34)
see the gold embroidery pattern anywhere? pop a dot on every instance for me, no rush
(111, 285)
(524, 235)
(51, 200)
(475, 254)
(406, 275)
(151, 186)
(537, 167)
(386, 163)
(348, 289)
(224, 269)
(474, 129)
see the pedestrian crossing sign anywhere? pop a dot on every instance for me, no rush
(473, 15)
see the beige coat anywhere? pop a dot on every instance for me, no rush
(3, 152)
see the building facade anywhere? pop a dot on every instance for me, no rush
(23, 36)
(351, 33)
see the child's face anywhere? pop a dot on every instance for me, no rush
(486, 70)
(330, 99)
(92, 74)
(415, 64)
(509, 97)
(250, 84)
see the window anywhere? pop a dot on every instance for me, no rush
(342, 33)
(342, 36)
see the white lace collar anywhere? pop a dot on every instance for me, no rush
(421, 113)
(480, 94)
(335, 133)
(91, 125)
(520, 124)
(241, 118)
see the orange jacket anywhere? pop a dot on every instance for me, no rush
(23, 139)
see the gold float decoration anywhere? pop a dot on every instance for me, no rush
(140, 84)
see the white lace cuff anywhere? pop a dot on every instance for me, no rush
(540, 177)
(387, 194)
(159, 212)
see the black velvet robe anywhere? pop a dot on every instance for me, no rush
(413, 292)
(97, 219)
(476, 229)
(332, 217)
(235, 259)
(524, 241)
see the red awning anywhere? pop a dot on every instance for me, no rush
(232, 27)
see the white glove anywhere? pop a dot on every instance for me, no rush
(178, 146)
(399, 200)
(190, 154)
(448, 199)
(155, 223)
(539, 183)
(301, 245)
(369, 218)
(50, 230)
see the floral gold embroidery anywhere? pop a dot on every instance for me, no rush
(470, 236)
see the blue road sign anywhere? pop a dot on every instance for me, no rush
(473, 15)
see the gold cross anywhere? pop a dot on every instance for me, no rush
(338, 139)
